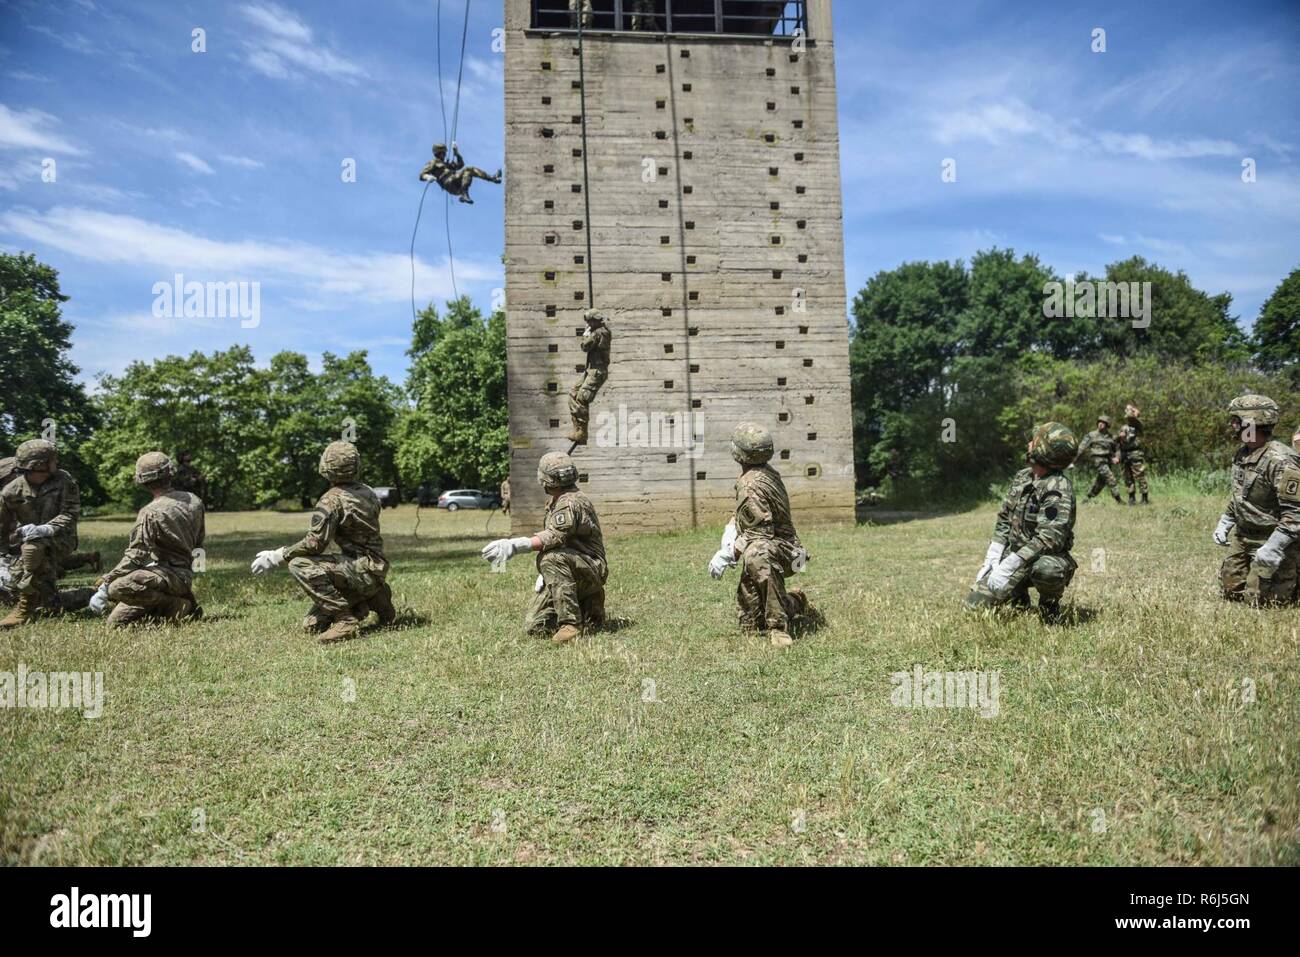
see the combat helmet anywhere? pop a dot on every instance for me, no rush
(36, 455)
(340, 462)
(1105, 419)
(1053, 446)
(1256, 410)
(8, 466)
(594, 315)
(751, 444)
(439, 148)
(153, 467)
(556, 470)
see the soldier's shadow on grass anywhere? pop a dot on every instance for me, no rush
(1074, 615)
(613, 626)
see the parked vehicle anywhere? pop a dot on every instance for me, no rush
(388, 497)
(468, 498)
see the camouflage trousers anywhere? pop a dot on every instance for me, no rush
(36, 572)
(573, 591)
(148, 594)
(335, 583)
(458, 183)
(1049, 575)
(1105, 479)
(1135, 474)
(764, 604)
(1242, 580)
(584, 393)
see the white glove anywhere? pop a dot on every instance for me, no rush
(721, 561)
(99, 600)
(1000, 578)
(1271, 553)
(267, 560)
(504, 549)
(728, 542)
(29, 532)
(991, 558)
(1226, 524)
(6, 576)
(541, 583)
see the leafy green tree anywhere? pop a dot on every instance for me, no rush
(1277, 329)
(37, 377)
(457, 432)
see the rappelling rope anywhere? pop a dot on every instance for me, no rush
(449, 137)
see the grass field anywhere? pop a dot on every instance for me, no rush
(1160, 726)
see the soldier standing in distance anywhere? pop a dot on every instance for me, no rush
(154, 579)
(596, 343)
(571, 565)
(1261, 525)
(1034, 531)
(39, 511)
(344, 588)
(505, 496)
(1132, 455)
(187, 478)
(1104, 451)
(762, 538)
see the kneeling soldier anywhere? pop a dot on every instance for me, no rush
(570, 592)
(345, 588)
(1034, 531)
(762, 537)
(154, 579)
(38, 514)
(1263, 515)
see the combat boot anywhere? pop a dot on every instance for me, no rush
(1132, 499)
(566, 634)
(381, 603)
(1115, 496)
(780, 639)
(578, 434)
(1145, 500)
(316, 621)
(1050, 610)
(344, 628)
(24, 612)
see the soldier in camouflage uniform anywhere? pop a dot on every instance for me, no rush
(596, 343)
(505, 497)
(344, 588)
(1104, 451)
(1034, 531)
(187, 478)
(762, 538)
(1132, 456)
(71, 599)
(1261, 526)
(453, 175)
(642, 14)
(583, 7)
(572, 571)
(154, 579)
(39, 511)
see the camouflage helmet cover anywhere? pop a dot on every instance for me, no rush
(340, 462)
(8, 468)
(556, 470)
(1255, 410)
(36, 455)
(751, 444)
(440, 147)
(1053, 446)
(1104, 418)
(593, 315)
(152, 467)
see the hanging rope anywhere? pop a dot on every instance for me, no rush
(448, 137)
(586, 174)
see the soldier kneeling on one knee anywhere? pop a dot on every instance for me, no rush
(761, 537)
(344, 588)
(1261, 525)
(572, 571)
(154, 579)
(1034, 531)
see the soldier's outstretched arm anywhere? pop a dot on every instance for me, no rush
(324, 523)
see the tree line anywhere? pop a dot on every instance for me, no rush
(951, 366)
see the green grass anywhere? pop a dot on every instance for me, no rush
(1133, 716)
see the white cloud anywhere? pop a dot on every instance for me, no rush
(285, 47)
(243, 162)
(194, 163)
(313, 276)
(30, 130)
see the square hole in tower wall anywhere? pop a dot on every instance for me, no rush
(555, 423)
(548, 204)
(663, 170)
(580, 331)
(803, 330)
(785, 455)
(552, 387)
(808, 400)
(547, 133)
(812, 471)
(665, 312)
(579, 296)
(548, 168)
(552, 348)
(550, 312)
(697, 403)
(660, 67)
(579, 368)
(663, 204)
(701, 476)
(812, 436)
(771, 71)
(693, 297)
(576, 188)
(695, 367)
(546, 64)
(546, 101)
(693, 331)
(575, 85)
(583, 477)
(780, 343)
(807, 363)
(665, 240)
(690, 260)
(668, 384)
(668, 348)
(783, 417)
(686, 88)
(801, 190)
(579, 260)
(672, 459)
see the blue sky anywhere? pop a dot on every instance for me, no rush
(226, 165)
